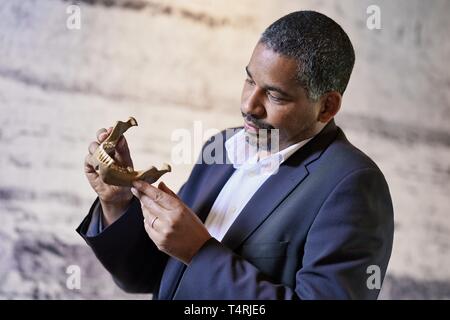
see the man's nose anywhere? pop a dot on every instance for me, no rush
(254, 104)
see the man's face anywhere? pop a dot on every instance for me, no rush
(273, 99)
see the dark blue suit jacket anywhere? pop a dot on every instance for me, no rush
(310, 232)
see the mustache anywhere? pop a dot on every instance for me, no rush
(256, 122)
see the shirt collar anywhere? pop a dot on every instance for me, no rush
(243, 156)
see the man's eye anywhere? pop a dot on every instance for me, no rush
(275, 98)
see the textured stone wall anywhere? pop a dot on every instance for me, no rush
(170, 63)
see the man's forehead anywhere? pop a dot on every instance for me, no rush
(271, 66)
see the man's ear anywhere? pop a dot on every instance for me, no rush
(330, 103)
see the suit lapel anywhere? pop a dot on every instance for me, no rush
(263, 203)
(215, 180)
(275, 189)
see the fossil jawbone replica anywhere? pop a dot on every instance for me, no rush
(113, 173)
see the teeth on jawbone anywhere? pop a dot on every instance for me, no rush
(104, 157)
(109, 170)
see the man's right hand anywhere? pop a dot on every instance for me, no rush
(113, 199)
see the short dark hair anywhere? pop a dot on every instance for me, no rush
(323, 51)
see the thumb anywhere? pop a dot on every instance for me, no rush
(123, 152)
(162, 186)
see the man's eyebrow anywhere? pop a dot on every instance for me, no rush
(248, 72)
(270, 88)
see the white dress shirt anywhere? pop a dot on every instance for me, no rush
(249, 175)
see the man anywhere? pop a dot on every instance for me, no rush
(309, 230)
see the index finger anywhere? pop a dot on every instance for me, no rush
(153, 193)
(102, 134)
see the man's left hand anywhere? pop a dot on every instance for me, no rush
(171, 225)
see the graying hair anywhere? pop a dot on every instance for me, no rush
(322, 49)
